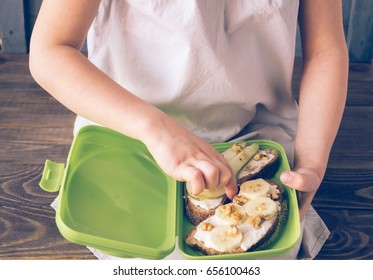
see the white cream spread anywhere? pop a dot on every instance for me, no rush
(250, 234)
(254, 166)
(207, 204)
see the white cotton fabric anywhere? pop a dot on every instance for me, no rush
(221, 68)
(212, 65)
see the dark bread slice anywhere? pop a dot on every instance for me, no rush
(197, 214)
(263, 243)
(266, 171)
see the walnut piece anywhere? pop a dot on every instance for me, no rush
(207, 227)
(255, 221)
(240, 200)
(257, 157)
(228, 209)
(274, 195)
(236, 216)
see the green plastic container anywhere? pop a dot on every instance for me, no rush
(114, 197)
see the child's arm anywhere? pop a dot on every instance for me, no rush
(322, 95)
(58, 66)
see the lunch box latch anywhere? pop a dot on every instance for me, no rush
(52, 176)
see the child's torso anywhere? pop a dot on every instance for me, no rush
(213, 65)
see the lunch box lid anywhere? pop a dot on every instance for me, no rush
(114, 197)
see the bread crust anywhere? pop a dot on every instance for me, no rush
(264, 242)
(197, 214)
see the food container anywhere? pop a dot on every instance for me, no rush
(115, 198)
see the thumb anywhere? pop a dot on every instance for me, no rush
(294, 180)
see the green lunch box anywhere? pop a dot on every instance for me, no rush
(115, 198)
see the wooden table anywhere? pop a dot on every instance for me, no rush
(34, 127)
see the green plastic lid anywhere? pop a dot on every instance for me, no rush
(115, 198)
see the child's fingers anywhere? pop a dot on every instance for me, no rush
(211, 173)
(231, 188)
(194, 176)
(215, 173)
(205, 174)
(227, 178)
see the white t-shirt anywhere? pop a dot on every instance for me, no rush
(215, 66)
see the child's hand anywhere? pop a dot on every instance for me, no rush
(187, 158)
(306, 181)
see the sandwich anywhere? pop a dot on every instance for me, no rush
(251, 221)
(247, 162)
(201, 206)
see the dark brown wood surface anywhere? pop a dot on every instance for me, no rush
(35, 127)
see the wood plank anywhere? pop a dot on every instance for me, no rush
(353, 146)
(351, 235)
(27, 105)
(55, 135)
(360, 31)
(33, 153)
(346, 189)
(19, 186)
(15, 74)
(31, 233)
(15, 64)
(27, 225)
(12, 32)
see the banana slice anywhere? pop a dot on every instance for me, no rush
(240, 159)
(206, 193)
(255, 188)
(225, 238)
(235, 149)
(263, 207)
(230, 214)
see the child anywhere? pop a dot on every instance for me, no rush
(178, 75)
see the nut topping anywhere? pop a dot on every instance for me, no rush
(236, 148)
(207, 227)
(257, 157)
(228, 209)
(236, 216)
(274, 195)
(240, 200)
(255, 221)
